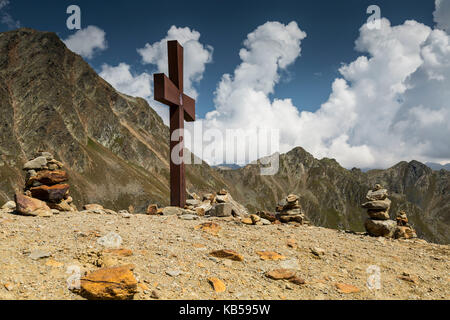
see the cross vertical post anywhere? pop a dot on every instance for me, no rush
(170, 92)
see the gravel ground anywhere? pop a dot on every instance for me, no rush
(172, 260)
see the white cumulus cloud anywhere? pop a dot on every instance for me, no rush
(88, 41)
(442, 14)
(196, 56)
(6, 18)
(390, 104)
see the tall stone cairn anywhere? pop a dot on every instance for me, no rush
(45, 187)
(378, 224)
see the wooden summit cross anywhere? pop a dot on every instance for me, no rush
(170, 92)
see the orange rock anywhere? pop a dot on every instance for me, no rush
(120, 252)
(209, 227)
(49, 177)
(217, 284)
(270, 255)
(281, 274)
(248, 221)
(346, 288)
(198, 245)
(116, 283)
(297, 280)
(227, 254)
(54, 264)
(50, 193)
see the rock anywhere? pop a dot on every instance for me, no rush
(377, 195)
(222, 198)
(112, 240)
(119, 252)
(404, 232)
(217, 284)
(155, 295)
(188, 217)
(255, 219)
(193, 202)
(54, 193)
(270, 255)
(267, 215)
(381, 205)
(36, 164)
(227, 254)
(222, 192)
(152, 209)
(380, 228)
(281, 274)
(64, 206)
(247, 221)
(39, 254)
(209, 196)
(31, 207)
(49, 178)
(292, 198)
(117, 283)
(221, 210)
(265, 222)
(292, 243)
(47, 155)
(209, 227)
(124, 213)
(9, 206)
(297, 280)
(317, 251)
(92, 207)
(171, 211)
(378, 215)
(173, 273)
(402, 219)
(346, 288)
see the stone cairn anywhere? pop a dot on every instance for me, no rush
(404, 230)
(378, 224)
(45, 189)
(290, 210)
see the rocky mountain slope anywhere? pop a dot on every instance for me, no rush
(332, 195)
(114, 147)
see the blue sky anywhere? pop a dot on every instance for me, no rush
(332, 28)
(313, 70)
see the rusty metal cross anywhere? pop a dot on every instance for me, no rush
(170, 92)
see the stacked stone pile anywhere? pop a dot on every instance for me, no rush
(290, 210)
(220, 204)
(45, 189)
(404, 230)
(379, 223)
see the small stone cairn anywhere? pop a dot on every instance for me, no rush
(379, 223)
(290, 210)
(404, 230)
(46, 190)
